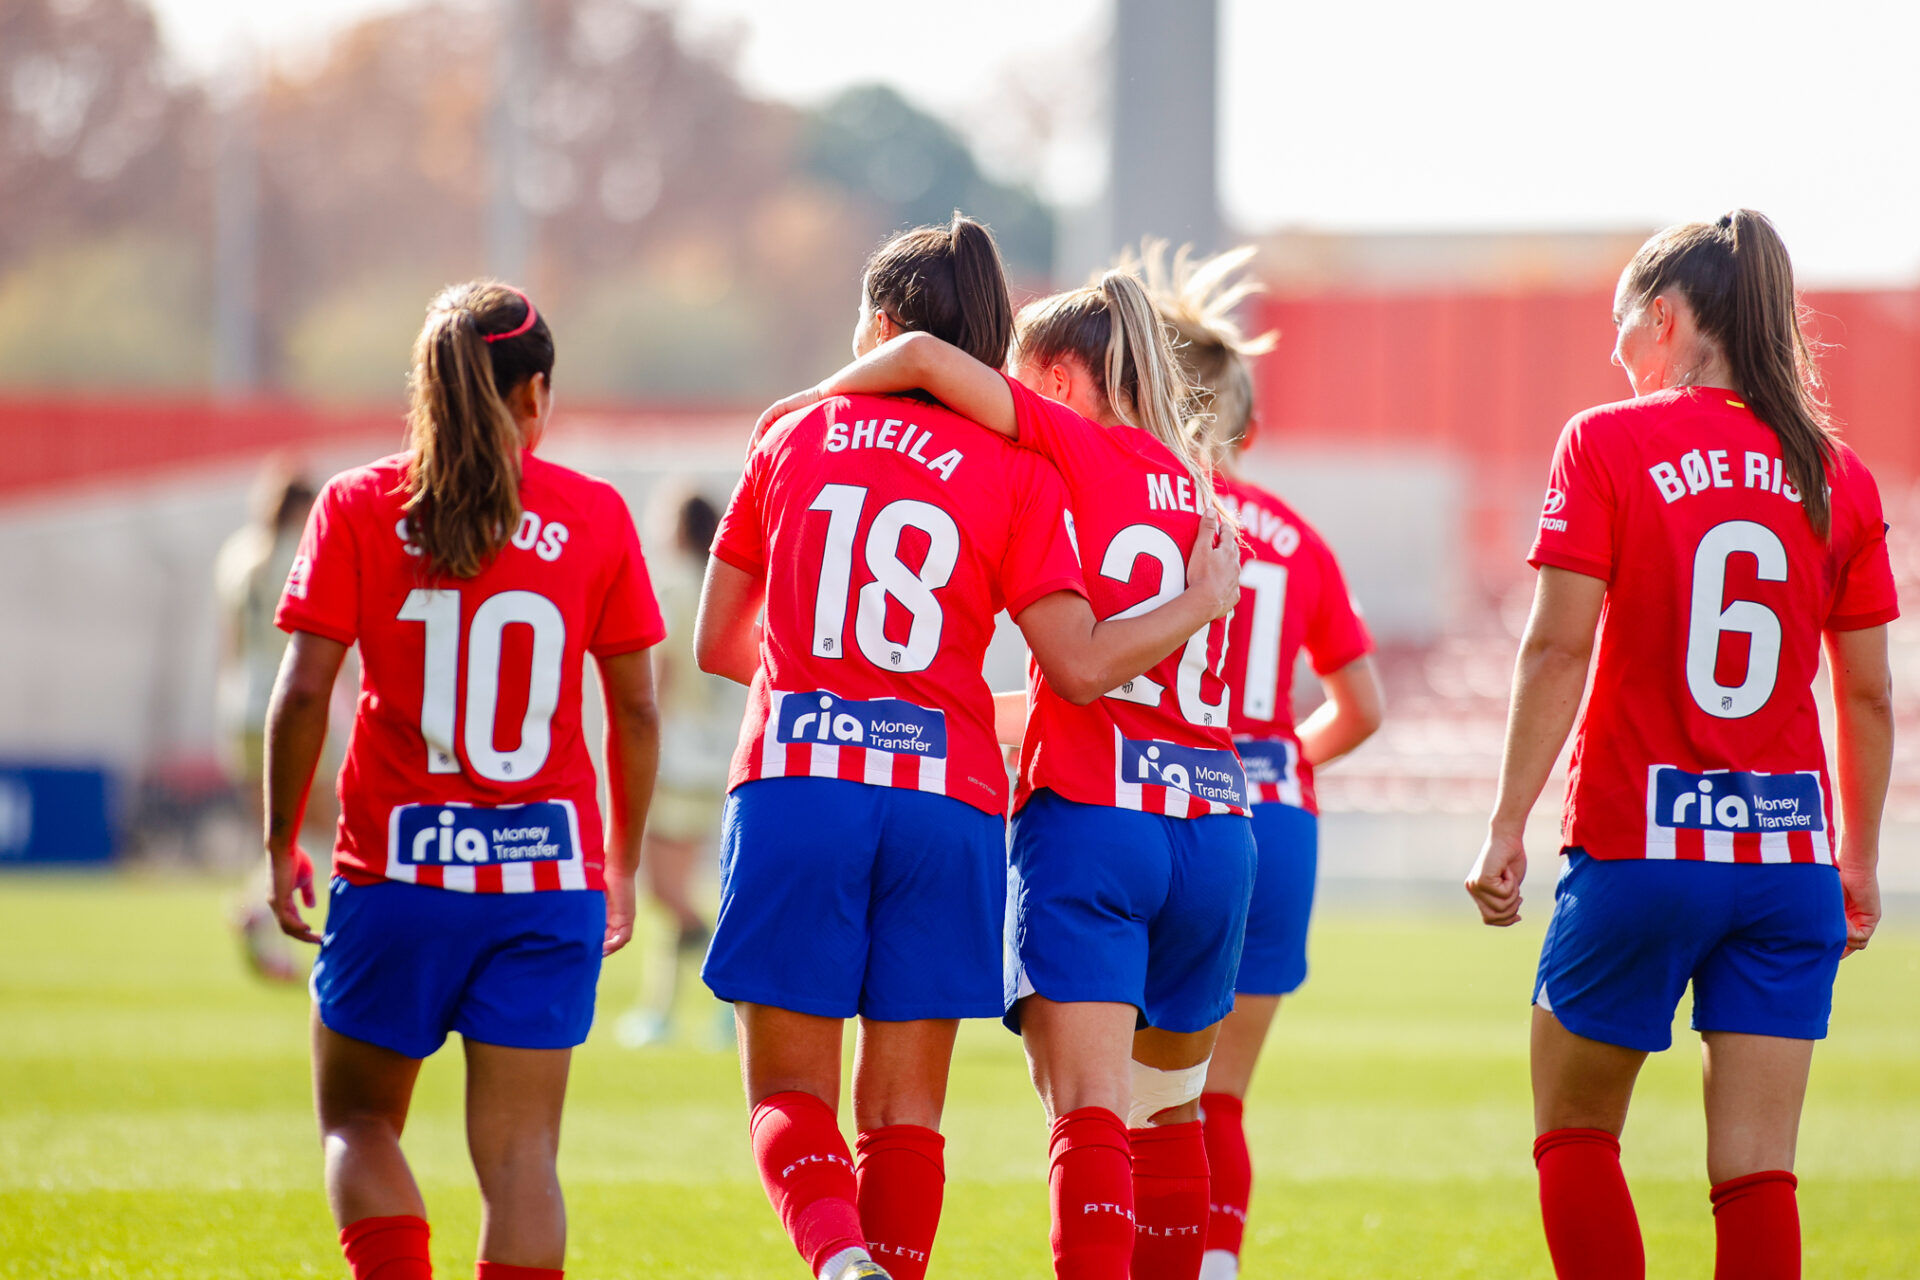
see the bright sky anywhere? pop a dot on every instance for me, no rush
(1398, 114)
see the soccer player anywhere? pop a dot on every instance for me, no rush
(1718, 532)
(1132, 860)
(1293, 597)
(248, 575)
(473, 889)
(864, 860)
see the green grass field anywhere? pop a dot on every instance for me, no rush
(154, 1118)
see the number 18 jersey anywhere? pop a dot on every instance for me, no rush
(1700, 738)
(890, 532)
(467, 769)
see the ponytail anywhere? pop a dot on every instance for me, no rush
(1737, 277)
(481, 341)
(949, 282)
(1196, 299)
(1111, 328)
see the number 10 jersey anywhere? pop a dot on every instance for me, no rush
(1700, 739)
(467, 769)
(890, 532)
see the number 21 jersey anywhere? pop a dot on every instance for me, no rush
(1700, 738)
(467, 768)
(890, 532)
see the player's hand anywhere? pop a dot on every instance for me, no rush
(1213, 566)
(292, 874)
(621, 904)
(781, 408)
(1860, 887)
(1495, 881)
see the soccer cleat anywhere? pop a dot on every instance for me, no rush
(863, 1269)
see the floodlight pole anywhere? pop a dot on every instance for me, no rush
(1163, 170)
(509, 227)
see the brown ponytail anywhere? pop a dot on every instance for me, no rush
(481, 341)
(1196, 300)
(1737, 277)
(949, 282)
(1111, 328)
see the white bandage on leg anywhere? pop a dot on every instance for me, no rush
(1155, 1090)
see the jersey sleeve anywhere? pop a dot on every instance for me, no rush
(1048, 427)
(629, 615)
(322, 594)
(1336, 634)
(741, 540)
(1577, 518)
(1041, 557)
(1864, 594)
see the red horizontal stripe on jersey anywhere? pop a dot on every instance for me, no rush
(852, 764)
(1746, 846)
(487, 880)
(1690, 846)
(429, 876)
(1800, 846)
(546, 876)
(799, 762)
(906, 772)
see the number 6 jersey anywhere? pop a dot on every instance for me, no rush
(889, 532)
(1700, 738)
(467, 768)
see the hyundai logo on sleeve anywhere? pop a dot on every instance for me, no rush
(1556, 503)
(882, 724)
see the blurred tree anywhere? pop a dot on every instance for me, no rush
(115, 313)
(93, 133)
(917, 170)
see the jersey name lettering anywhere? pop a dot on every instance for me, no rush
(1170, 493)
(1698, 470)
(895, 434)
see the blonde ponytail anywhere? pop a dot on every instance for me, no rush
(1197, 298)
(481, 341)
(1111, 328)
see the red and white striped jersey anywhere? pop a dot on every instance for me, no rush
(1161, 742)
(467, 768)
(889, 531)
(1700, 739)
(1292, 597)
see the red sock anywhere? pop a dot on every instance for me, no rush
(903, 1174)
(1230, 1171)
(1756, 1226)
(808, 1175)
(1592, 1232)
(1090, 1184)
(387, 1249)
(502, 1271)
(1169, 1201)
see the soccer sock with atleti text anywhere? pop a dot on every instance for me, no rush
(1090, 1187)
(902, 1177)
(1169, 1201)
(808, 1175)
(1229, 1172)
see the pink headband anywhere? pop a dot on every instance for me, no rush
(525, 325)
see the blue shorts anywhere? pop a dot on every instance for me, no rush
(1761, 945)
(839, 898)
(1135, 908)
(401, 965)
(1274, 960)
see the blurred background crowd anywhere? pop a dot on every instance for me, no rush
(215, 248)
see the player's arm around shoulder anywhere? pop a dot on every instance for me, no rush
(914, 362)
